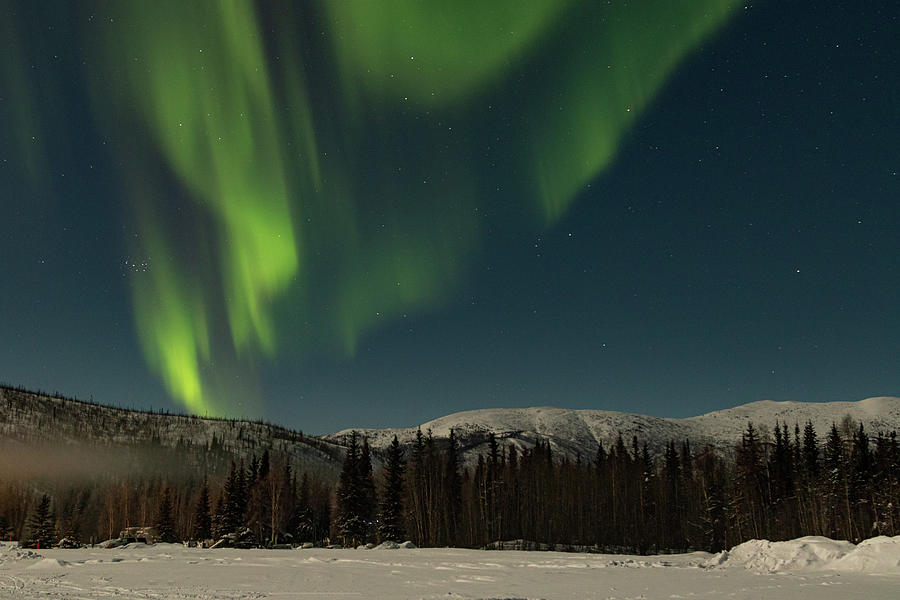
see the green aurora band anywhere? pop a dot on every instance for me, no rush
(326, 185)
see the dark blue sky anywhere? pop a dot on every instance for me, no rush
(741, 245)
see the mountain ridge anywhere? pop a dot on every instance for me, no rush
(30, 417)
(578, 431)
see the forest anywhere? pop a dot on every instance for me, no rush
(776, 484)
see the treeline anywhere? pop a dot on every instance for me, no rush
(622, 499)
(260, 503)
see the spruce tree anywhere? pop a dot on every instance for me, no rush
(351, 523)
(303, 519)
(833, 483)
(42, 524)
(391, 520)
(235, 500)
(810, 451)
(202, 519)
(368, 498)
(860, 483)
(647, 533)
(165, 521)
(452, 492)
(416, 490)
(711, 484)
(218, 518)
(797, 450)
(748, 499)
(671, 510)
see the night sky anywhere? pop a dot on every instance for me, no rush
(355, 213)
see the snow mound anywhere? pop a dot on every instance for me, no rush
(48, 563)
(802, 553)
(876, 555)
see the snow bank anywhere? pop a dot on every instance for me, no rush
(802, 553)
(877, 555)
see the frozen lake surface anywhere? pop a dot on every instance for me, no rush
(807, 568)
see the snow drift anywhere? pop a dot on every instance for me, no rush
(876, 555)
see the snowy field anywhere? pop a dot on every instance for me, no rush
(806, 568)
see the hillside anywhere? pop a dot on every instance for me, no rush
(60, 434)
(579, 431)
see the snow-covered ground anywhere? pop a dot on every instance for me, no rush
(806, 568)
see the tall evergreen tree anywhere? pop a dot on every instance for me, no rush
(42, 524)
(235, 500)
(647, 532)
(416, 506)
(368, 497)
(834, 484)
(810, 451)
(748, 501)
(713, 500)
(452, 491)
(860, 483)
(219, 519)
(202, 518)
(671, 509)
(884, 484)
(165, 519)
(391, 520)
(352, 498)
(303, 519)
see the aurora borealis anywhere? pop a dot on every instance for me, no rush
(271, 207)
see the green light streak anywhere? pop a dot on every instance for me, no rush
(399, 276)
(435, 52)
(172, 323)
(197, 80)
(603, 85)
(23, 126)
(214, 118)
(325, 192)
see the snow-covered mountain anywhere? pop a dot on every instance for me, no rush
(579, 431)
(29, 419)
